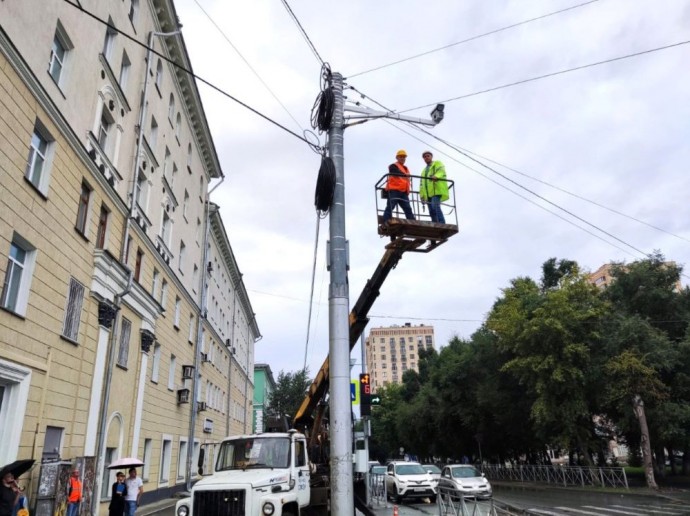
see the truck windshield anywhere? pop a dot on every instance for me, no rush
(257, 452)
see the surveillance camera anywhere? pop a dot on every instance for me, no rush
(437, 113)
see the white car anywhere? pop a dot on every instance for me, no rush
(409, 480)
(434, 473)
(464, 480)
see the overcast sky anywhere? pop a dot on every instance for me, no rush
(616, 134)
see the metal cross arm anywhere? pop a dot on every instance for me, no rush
(365, 113)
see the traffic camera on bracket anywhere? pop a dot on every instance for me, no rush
(437, 113)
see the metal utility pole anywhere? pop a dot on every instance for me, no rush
(365, 424)
(342, 501)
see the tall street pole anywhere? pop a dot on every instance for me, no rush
(342, 501)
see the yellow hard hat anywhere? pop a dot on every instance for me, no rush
(401, 152)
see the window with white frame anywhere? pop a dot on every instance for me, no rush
(189, 158)
(180, 261)
(15, 381)
(191, 329)
(159, 75)
(178, 307)
(182, 460)
(166, 453)
(166, 163)
(156, 362)
(75, 298)
(102, 234)
(171, 108)
(154, 286)
(105, 128)
(59, 55)
(195, 277)
(166, 227)
(40, 157)
(133, 11)
(109, 42)
(164, 294)
(125, 66)
(123, 348)
(20, 264)
(195, 454)
(178, 127)
(83, 210)
(171, 372)
(153, 134)
(185, 204)
(173, 176)
(146, 469)
(142, 190)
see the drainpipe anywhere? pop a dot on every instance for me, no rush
(199, 335)
(231, 351)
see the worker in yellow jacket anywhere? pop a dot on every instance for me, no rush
(434, 188)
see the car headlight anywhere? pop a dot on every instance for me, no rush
(268, 509)
(182, 510)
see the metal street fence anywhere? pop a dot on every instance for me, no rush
(378, 494)
(560, 475)
(452, 503)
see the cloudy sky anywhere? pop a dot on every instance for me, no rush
(617, 135)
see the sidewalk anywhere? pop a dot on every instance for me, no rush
(153, 508)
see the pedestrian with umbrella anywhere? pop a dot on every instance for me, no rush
(10, 492)
(134, 485)
(117, 496)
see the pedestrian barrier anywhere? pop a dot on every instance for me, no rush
(452, 503)
(560, 475)
(378, 494)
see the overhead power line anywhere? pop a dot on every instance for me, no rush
(222, 33)
(304, 33)
(190, 73)
(458, 150)
(552, 74)
(495, 31)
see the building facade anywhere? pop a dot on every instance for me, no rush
(125, 328)
(392, 350)
(264, 385)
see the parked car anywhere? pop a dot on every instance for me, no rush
(409, 480)
(464, 480)
(434, 472)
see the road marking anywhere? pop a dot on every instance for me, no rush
(612, 510)
(548, 513)
(579, 511)
(667, 509)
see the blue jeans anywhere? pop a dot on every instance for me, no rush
(73, 508)
(397, 198)
(435, 210)
(131, 507)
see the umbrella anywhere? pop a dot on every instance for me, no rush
(17, 468)
(127, 462)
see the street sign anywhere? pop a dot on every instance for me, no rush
(375, 399)
(354, 392)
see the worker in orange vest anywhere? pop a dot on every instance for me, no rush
(74, 494)
(398, 188)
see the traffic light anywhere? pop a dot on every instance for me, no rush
(364, 395)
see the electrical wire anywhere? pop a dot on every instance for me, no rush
(189, 72)
(248, 64)
(311, 292)
(547, 75)
(524, 22)
(595, 203)
(304, 32)
(324, 105)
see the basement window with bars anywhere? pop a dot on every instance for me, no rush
(123, 352)
(75, 297)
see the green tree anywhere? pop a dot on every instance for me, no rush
(289, 393)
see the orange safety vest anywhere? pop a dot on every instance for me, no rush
(74, 491)
(397, 182)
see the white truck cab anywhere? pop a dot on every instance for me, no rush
(262, 474)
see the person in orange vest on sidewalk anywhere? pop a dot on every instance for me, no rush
(74, 494)
(398, 188)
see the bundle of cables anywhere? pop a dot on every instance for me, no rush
(322, 111)
(325, 186)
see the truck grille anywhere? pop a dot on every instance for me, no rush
(219, 503)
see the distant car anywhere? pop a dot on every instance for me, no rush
(434, 472)
(464, 480)
(409, 480)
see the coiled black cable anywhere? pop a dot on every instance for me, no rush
(325, 186)
(322, 110)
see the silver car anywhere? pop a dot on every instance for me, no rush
(464, 480)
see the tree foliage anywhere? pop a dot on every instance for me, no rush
(289, 393)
